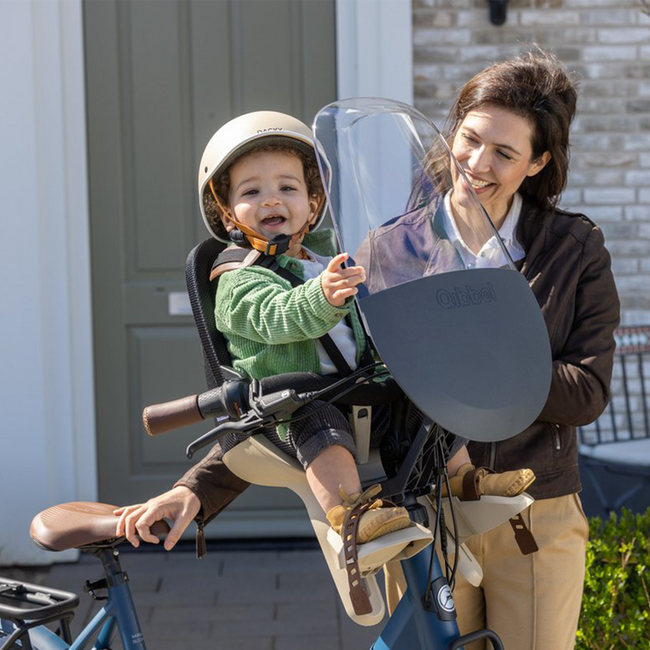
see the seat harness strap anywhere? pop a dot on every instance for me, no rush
(363, 502)
(237, 257)
(523, 535)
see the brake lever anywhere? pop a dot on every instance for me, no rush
(248, 423)
(265, 409)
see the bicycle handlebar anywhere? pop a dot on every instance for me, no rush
(159, 418)
(244, 405)
(264, 409)
(229, 400)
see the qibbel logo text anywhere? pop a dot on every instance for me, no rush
(465, 296)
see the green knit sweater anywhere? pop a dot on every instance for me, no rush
(272, 327)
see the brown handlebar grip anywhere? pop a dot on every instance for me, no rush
(159, 418)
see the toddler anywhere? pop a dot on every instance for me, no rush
(265, 193)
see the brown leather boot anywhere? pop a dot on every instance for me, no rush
(377, 520)
(471, 483)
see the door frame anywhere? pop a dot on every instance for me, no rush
(374, 58)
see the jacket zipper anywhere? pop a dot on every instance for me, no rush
(556, 437)
(200, 538)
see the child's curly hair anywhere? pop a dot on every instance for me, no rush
(222, 181)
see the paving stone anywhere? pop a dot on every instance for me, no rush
(246, 643)
(262, 627)
(165, 643)
(263, 611)
(172, 598)
(329, 642)
(184, 561)
(357, 637)
(144, 584)
(289, 612)
(251, 593)
(185, 616)
(362, 640)
(34, 575)
(183, 635)
(192, 586)
(299, 583)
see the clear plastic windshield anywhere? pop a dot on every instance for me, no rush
(400, 202)
(453, 320)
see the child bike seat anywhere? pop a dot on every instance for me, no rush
(78, 524)
(258, 461)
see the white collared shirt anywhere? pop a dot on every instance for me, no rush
(341, 333)
(491, 254)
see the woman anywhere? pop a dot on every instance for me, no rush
(509, 129)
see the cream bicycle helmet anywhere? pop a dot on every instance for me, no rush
(236, 138)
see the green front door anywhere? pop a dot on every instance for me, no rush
(162, 76)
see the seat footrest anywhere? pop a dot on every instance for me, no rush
(400, 545)
(475, 517)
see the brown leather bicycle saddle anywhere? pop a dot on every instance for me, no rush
(78, 524)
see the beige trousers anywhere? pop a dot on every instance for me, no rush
(531, 601)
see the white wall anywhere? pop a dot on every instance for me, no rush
(46, 391)
(374, 49)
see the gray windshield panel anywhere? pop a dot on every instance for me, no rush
(470, 349)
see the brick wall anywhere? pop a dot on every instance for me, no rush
(607, 43)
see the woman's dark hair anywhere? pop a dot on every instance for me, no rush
(537, 87)
(222, 181)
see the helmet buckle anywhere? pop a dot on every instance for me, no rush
(278, 245)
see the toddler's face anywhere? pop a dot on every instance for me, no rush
(268, 193)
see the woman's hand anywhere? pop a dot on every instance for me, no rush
(180, 505)
(339, 284)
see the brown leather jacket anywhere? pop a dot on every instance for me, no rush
(568, 270)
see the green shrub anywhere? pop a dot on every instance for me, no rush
(616, 602)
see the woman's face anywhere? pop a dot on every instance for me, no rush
(493, 146)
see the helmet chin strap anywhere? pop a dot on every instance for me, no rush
(277, 245)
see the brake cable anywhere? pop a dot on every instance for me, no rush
(336, 397)
(436, 450)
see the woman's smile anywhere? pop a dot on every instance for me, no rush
(476, 183)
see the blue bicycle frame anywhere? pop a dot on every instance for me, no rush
(414, 623)
(118, 614)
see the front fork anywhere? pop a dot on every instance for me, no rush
(419, 625)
